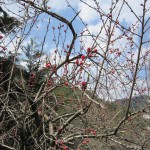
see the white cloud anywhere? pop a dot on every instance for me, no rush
(87, 14)
(62, 4)
(13, 9)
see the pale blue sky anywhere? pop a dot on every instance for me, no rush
(94, 24)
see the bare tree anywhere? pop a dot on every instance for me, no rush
(89, 92)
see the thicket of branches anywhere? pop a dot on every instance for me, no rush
(61, 100)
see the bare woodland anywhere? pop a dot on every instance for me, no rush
(91, 93)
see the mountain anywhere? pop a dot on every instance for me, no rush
(136, 102)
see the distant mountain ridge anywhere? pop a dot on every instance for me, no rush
(136, 102)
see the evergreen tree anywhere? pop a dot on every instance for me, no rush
(7, 23)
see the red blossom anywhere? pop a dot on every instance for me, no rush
(81, 63)
(65, 147)
(66, 83)
(68, 46)
(1, 37)
(60, 130)
(48, 65)
(113, 71)
(56, 142)
(85, 141)
(82, 57)
(111, 51)
(119, 53)
(61, 142)
(95, 50)
(84, 85)
(94, 132)
(77, 61)
(90, 55)
(109, 15)
(88, 49)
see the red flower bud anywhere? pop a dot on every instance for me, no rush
(65, 147)
(90, 55)
(113, 71)
(48, 65)
(84, 85)
(68, 46)
(77, 61)
(95, 50)
(1, 36)
(119, 53)
(82, 57)
(81, 63)
(109, 15)
(61, 142)
(94, 132)
(85, 141)
(88, 49)
(66, 83)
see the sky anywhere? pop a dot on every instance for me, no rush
(89, 19)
